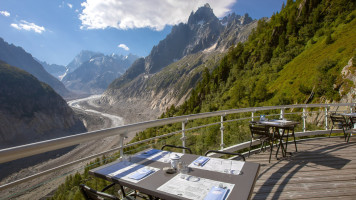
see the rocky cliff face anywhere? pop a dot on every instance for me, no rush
(237, 29)
(18, 57)
(175, 65)
(31, 110)
(348, 92)
(201, 31)
(94, 75)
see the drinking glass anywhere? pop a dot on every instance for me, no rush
(227, 166)
(184, 168)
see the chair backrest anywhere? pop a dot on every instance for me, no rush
(227, 153)
(177, 147)
(259, 130)
(91, 194)
(352, 121)
(338, 119)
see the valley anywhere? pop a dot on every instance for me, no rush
(87, 107)
(93, 118)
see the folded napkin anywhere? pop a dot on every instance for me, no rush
(141, 173)
(216, 193)
(201, 161)
(150, 152)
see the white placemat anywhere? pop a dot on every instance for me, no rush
(220, 165)
(192, 187)
(126, 169)
(271, 123)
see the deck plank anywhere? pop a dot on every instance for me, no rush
(323, 168)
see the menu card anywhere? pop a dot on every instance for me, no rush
(192, 187)
(221, 165)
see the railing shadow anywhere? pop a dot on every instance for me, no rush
(296, 163)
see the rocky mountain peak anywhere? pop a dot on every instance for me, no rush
(83, 56)
(203, 15)
(246, 19)
(236, 19)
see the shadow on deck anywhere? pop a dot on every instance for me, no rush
(323, 168)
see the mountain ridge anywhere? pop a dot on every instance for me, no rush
(17, 56)
(31, 110)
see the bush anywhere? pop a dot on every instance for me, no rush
(328, 39)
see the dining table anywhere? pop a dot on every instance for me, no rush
(280, 129)
(151, 173)
(348, 117)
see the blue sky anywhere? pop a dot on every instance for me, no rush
(55, 31)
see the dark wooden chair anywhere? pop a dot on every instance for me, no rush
(227, 153)
(91, 194)
(352, 130)
(339, 120)
(177, 147)
(261, 132)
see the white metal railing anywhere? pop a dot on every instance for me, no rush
(22, 151)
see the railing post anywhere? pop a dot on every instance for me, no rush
(252, 115)
(351, 109)
(304, 119)
(222, 131)
(122, 137)
(326, 117)
(281, 116)
(183, 134)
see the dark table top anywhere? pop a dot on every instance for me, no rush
(244, 183)
(348, 114)
(279, 123)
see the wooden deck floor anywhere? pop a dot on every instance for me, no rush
(323, 168)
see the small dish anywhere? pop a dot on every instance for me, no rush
(170, 170)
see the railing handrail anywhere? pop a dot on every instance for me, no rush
(22, 151)
(48, 145)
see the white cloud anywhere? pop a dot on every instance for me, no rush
(154, 14)
(70, 5)
(124, 47)
(24, 25)
(5, 13)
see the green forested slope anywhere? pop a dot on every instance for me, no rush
(305, 45)
(307, 70)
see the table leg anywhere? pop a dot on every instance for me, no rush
(281, 143)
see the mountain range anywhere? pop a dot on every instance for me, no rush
(91, 72)
(167, 75)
